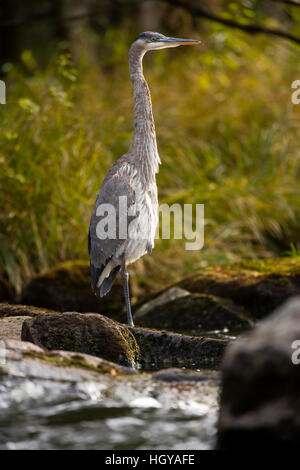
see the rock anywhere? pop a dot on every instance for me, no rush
(259, 286)
(100, 336)
(11, 349)
(22, 358)
(67, 287)
(178, 310)
(181, 375)
(12, 317)
(260, 404)
(85, 333)
(161, 349)
(64, 400)
(16, 310)
(157, 300)
(10, 327)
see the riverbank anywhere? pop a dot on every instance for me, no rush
(83, 371)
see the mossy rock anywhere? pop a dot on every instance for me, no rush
(17, 310)
(258, 286)
(25, 357)
(162, 349)
(194, 313)
(68, 287)
(85, 333)
(12, 317)
(94, 334)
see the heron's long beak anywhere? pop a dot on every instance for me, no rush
(180, 42)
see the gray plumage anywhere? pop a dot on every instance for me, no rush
(133, 176)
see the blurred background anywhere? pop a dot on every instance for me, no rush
(228, 133)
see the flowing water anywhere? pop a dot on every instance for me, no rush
(131, 412)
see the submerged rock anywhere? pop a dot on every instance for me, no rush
(178, 310)
(259, 286)
(67, 287)
(89, 333)
(260, 403)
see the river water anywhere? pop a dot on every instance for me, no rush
(134, 412)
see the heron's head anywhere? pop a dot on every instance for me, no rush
(150, 41)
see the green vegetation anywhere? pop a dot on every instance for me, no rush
(76, 361)
(228, 137)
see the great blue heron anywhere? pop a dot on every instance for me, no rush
(132, 177)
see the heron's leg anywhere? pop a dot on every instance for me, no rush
(125, 275)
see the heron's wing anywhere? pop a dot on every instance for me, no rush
(119, 182)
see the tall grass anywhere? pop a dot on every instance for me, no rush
(228, 137)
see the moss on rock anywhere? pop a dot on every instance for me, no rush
(162, 349)
(86, 333)
(194, 313)
(258, 286)
(16, 310)
(102, 337)
(56, 358)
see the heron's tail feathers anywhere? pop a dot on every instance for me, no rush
(108, 281)
(103, 278)
(95, 274)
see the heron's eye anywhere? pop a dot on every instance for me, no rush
(153, 39)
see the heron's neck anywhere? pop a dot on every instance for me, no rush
(144, 146)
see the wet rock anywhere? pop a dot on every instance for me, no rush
(25, 359)
(178, 310)
(67, 287)
(100, 336)
(85, 333)
(50, 402)
(181, 375)
(260, 403)
(12, 349)
(162, 349)
(259, 286)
